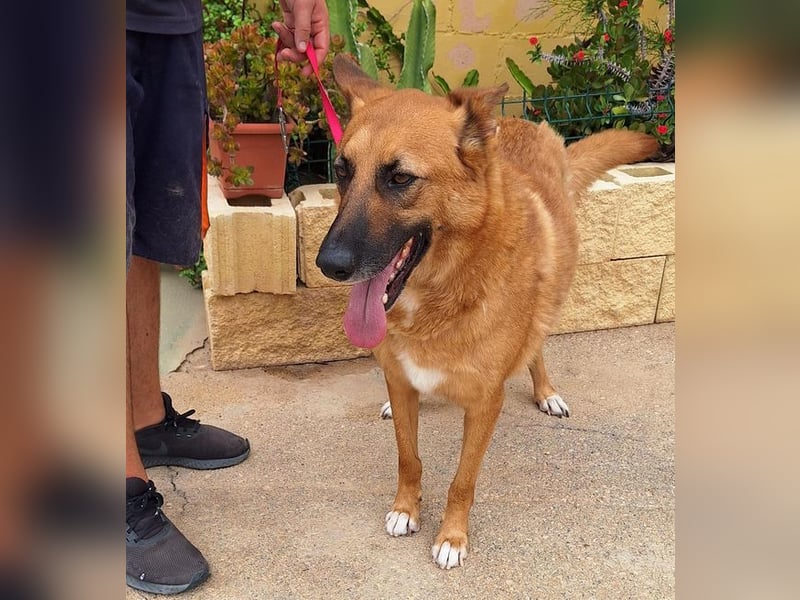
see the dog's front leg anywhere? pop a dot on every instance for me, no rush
(451, 545)
(403, 519)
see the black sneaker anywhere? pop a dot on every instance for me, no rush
(158, 558)
(184, 442)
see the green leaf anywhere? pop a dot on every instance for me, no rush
(471, 79)
(629, 91)
(619, 110)
(366, 59)
(443, 88)
(520, 77)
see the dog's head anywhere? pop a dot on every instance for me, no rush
(411, 169)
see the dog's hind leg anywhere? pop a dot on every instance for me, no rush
(544, 394)
(480, 416)
(403, 519)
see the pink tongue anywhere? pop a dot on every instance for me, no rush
(365, 318)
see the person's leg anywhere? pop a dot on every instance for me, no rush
(158, 557)
(157, 434)
(144, 404)
(144, 313)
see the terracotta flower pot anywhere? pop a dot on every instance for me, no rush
(260, 145)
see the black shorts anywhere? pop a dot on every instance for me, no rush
(165, 145)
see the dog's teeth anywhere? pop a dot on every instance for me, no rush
(406, 251)
(392, 276)
(400, 263)
(385, 298)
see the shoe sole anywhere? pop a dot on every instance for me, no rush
(193, 463)
(163, 588)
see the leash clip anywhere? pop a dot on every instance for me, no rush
(282, 123)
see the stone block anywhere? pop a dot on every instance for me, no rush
(315, 206)
(613, 294)
(262, 329)
(596, 213)
(666, 301)
(250, 248)
(646, 222)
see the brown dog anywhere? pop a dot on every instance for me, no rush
(459, 233)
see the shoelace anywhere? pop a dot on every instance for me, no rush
(143, 513)
(176, 420)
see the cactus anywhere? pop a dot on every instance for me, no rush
(343, 15)
(420, 39)
(420, 47)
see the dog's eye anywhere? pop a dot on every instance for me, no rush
(401, 180)
(341, 168)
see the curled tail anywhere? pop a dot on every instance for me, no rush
(592, 156)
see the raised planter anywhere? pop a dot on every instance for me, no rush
(258, 313)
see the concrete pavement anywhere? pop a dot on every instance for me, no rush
(571, 508)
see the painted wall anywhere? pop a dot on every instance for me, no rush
(480, 34)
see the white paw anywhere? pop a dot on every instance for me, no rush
(386, 410)
(400, 523)
(554, 405)
(447, 556)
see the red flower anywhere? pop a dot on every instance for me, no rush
(662, 129)
(579, 55)
(606, 37)
(623, 3)
(668, 36)
(660, 98)
(533, 40)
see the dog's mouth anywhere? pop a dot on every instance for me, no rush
(365, 318)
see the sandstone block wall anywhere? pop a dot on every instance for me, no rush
(626, 264)
(260, 329)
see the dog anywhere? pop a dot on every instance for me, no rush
(458, 232)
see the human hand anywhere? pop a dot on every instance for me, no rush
(303, 21)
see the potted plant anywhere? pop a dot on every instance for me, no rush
(242, 97)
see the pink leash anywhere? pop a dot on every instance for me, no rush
(327, 105)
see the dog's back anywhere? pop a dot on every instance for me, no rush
(537, 159)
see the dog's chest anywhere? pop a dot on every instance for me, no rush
(422, 379)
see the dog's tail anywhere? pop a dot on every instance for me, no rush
(592, 156)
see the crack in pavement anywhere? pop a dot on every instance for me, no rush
(173, 475)
(188, 363)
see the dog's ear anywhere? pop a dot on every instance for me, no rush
(474, 108)
(358, 87)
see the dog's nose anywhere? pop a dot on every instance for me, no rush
(336, 262)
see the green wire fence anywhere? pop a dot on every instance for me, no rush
(574, 116)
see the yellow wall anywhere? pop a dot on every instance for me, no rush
(480, 34)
